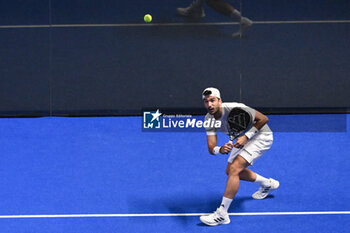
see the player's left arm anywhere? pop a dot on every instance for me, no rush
(260, 120)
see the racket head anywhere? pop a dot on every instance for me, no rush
(238, 120)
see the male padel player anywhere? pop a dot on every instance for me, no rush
(243, 153)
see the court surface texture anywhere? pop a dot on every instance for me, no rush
(104, 174)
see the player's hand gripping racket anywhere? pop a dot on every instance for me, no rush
(239, 121)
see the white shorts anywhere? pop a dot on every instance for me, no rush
(254, 148)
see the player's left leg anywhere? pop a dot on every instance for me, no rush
(247, 175)
(252, 151)
(266, 185)
(225, 8)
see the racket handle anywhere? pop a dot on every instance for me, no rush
(232, 138)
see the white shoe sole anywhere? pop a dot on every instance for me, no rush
(214, 224)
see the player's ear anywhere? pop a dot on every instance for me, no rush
(219, 100)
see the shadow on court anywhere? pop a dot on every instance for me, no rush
(204, 205)
(186, 205)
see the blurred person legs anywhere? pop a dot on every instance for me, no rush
(195, 10)
(227, 9)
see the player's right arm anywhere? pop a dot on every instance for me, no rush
(212, 143)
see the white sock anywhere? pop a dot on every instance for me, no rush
(225, 204)
(262, 181)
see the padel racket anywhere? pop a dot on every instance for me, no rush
(239, 121)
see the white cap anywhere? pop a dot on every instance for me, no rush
(211, 91)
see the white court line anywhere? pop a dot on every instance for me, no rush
(171, 24)
(170, 215)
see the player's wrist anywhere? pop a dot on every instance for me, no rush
(216, 150)
(251, 133)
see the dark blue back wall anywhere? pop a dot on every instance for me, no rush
(58, 70)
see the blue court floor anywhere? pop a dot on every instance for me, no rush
(52, 167)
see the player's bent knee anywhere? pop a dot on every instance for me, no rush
(233, 170)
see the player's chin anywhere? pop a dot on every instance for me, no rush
(211, 111)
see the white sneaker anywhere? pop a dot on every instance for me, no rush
(220, 216)
(265, 190)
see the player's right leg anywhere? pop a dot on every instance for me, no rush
(220, 216)
(195, 10)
